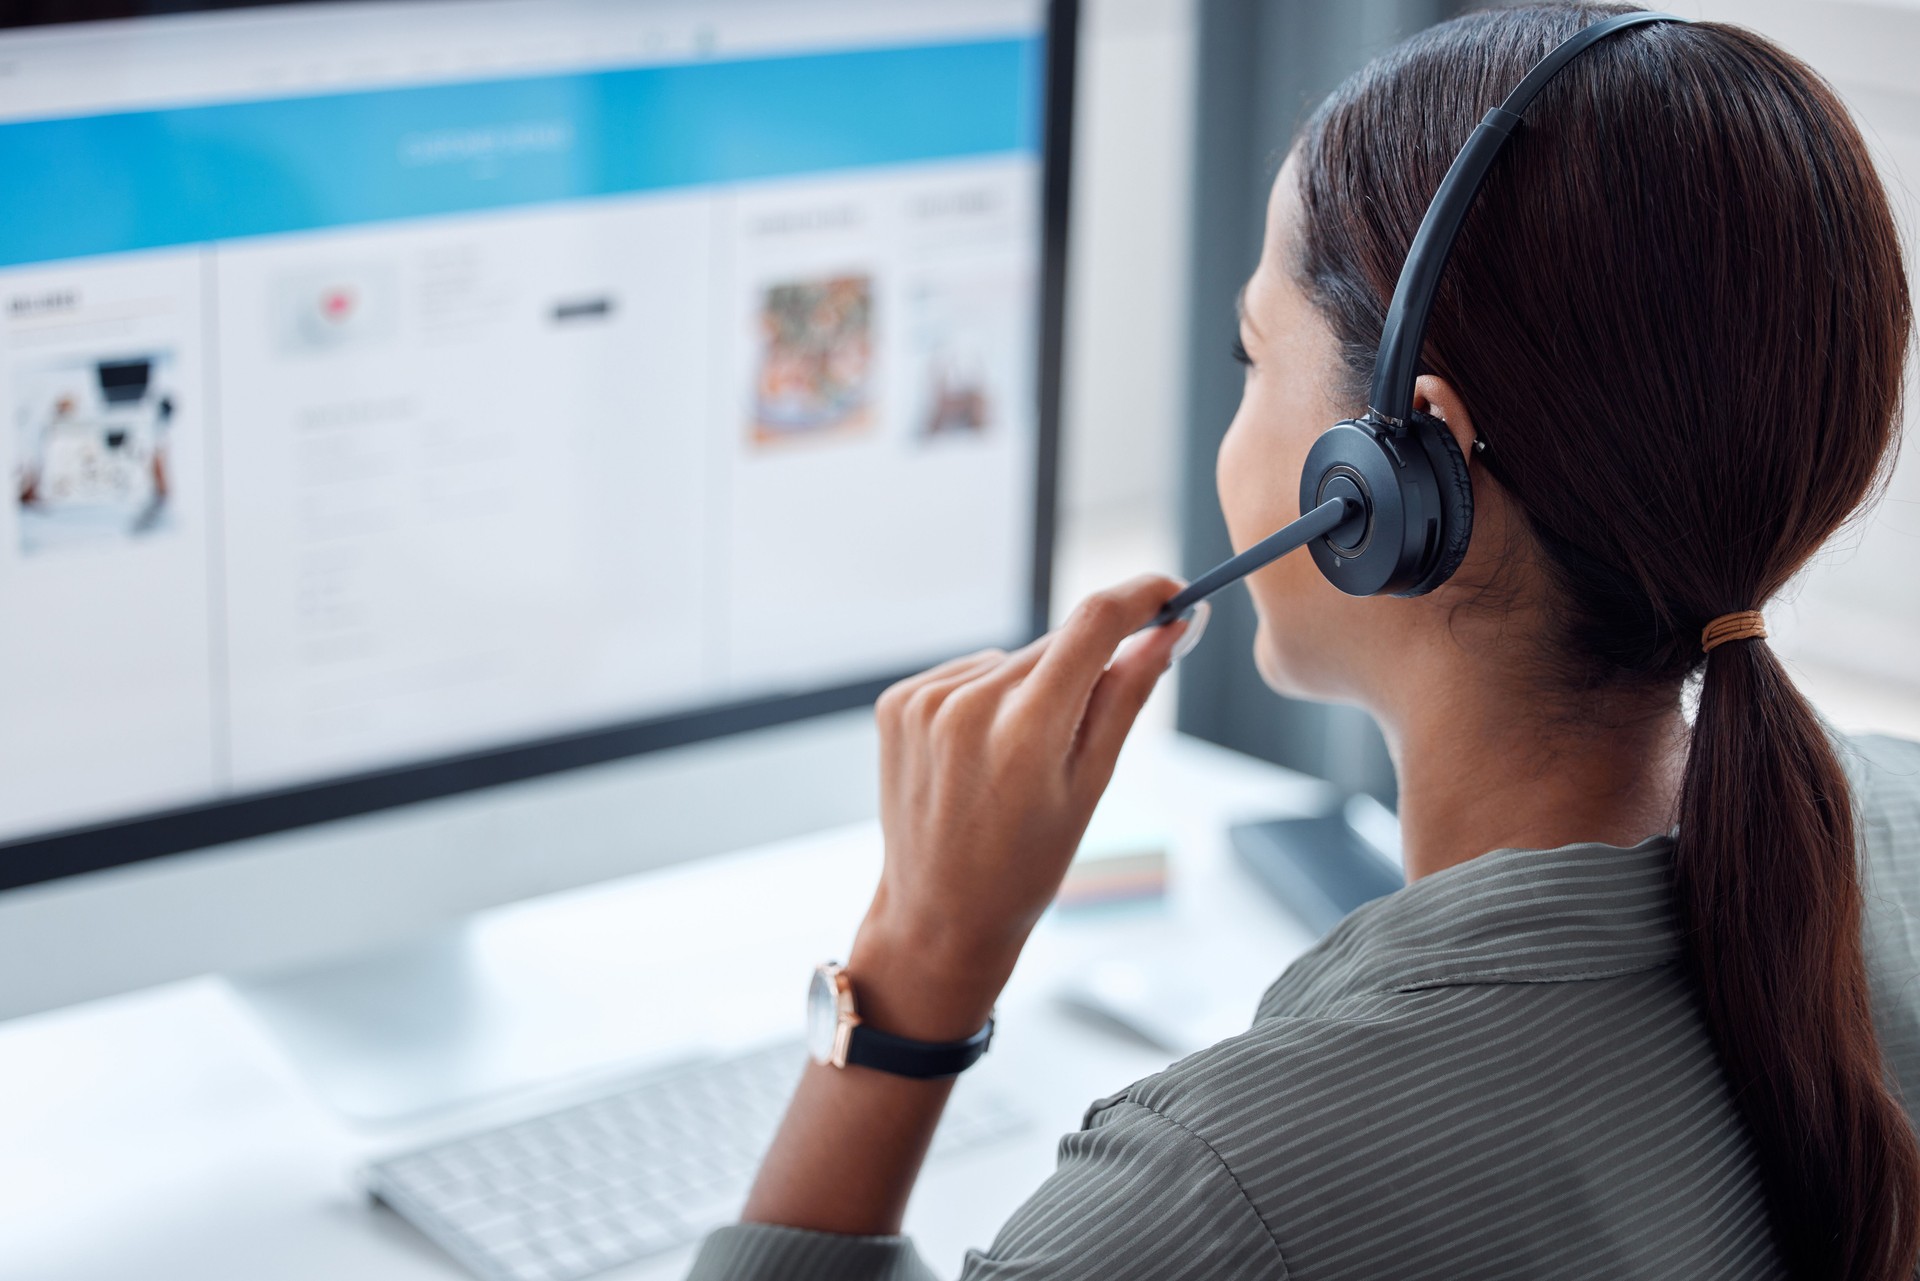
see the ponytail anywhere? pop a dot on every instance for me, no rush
(1767, 891)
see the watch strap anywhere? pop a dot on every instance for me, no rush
(923, 1060)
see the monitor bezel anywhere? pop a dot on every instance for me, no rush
(74, 851)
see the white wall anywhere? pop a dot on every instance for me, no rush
(1127, 282)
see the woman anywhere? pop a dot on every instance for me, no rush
(1623, 1021)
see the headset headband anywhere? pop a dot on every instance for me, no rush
(1390, 403)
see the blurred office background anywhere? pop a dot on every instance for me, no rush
(1186, 109)
(518, 916)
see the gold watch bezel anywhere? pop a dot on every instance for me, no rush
(846, 1013)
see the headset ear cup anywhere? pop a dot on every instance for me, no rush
(1456, 500)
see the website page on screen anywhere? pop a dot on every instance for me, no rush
(386, 382)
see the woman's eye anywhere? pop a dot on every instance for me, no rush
(1240, 352)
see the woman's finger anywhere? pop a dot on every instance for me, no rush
(893, 700)
(1067, 672)
(1020, 662)
(965, 662)
(1114, 705)
(934, 687)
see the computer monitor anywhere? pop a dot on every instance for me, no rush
(429, 423)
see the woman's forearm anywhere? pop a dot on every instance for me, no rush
(852, 1141)
(848, 1152)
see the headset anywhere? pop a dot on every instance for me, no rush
(1386, 503)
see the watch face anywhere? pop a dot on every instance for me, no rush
(823, 1017)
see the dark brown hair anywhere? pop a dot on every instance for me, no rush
(1679, 316)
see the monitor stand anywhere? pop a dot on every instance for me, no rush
(394, 1034)
(478, 1013)
(1323, 866)
(566, 992)
(659, 909)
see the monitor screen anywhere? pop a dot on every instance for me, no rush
(402, 398)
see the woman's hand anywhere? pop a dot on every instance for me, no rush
(990, 768)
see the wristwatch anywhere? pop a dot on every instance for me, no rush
(836, 1036)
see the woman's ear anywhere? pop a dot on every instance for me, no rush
(1435, 395)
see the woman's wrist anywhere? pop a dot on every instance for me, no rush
(909, 984)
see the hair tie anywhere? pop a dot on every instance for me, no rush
(1745, 624)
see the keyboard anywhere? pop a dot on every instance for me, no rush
(651, 1166)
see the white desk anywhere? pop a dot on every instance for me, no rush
(161, 1135)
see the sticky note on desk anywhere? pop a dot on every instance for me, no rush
(1115, 867)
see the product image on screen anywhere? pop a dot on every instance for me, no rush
(816, 359)
(965, 366)
(91, 464)
(384, 394)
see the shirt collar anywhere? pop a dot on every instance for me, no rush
(1509, 916)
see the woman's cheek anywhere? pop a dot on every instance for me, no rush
(1280, 637)
(1257, 472)
(1252, 480)
(1229, 477)
(1266, 661)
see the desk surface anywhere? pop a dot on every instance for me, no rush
(161, 1134)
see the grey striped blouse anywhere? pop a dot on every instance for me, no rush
(1496, 1072)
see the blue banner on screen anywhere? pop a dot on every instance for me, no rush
(143, 180)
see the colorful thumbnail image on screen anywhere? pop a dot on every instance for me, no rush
(816, 359)
(92, 450)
